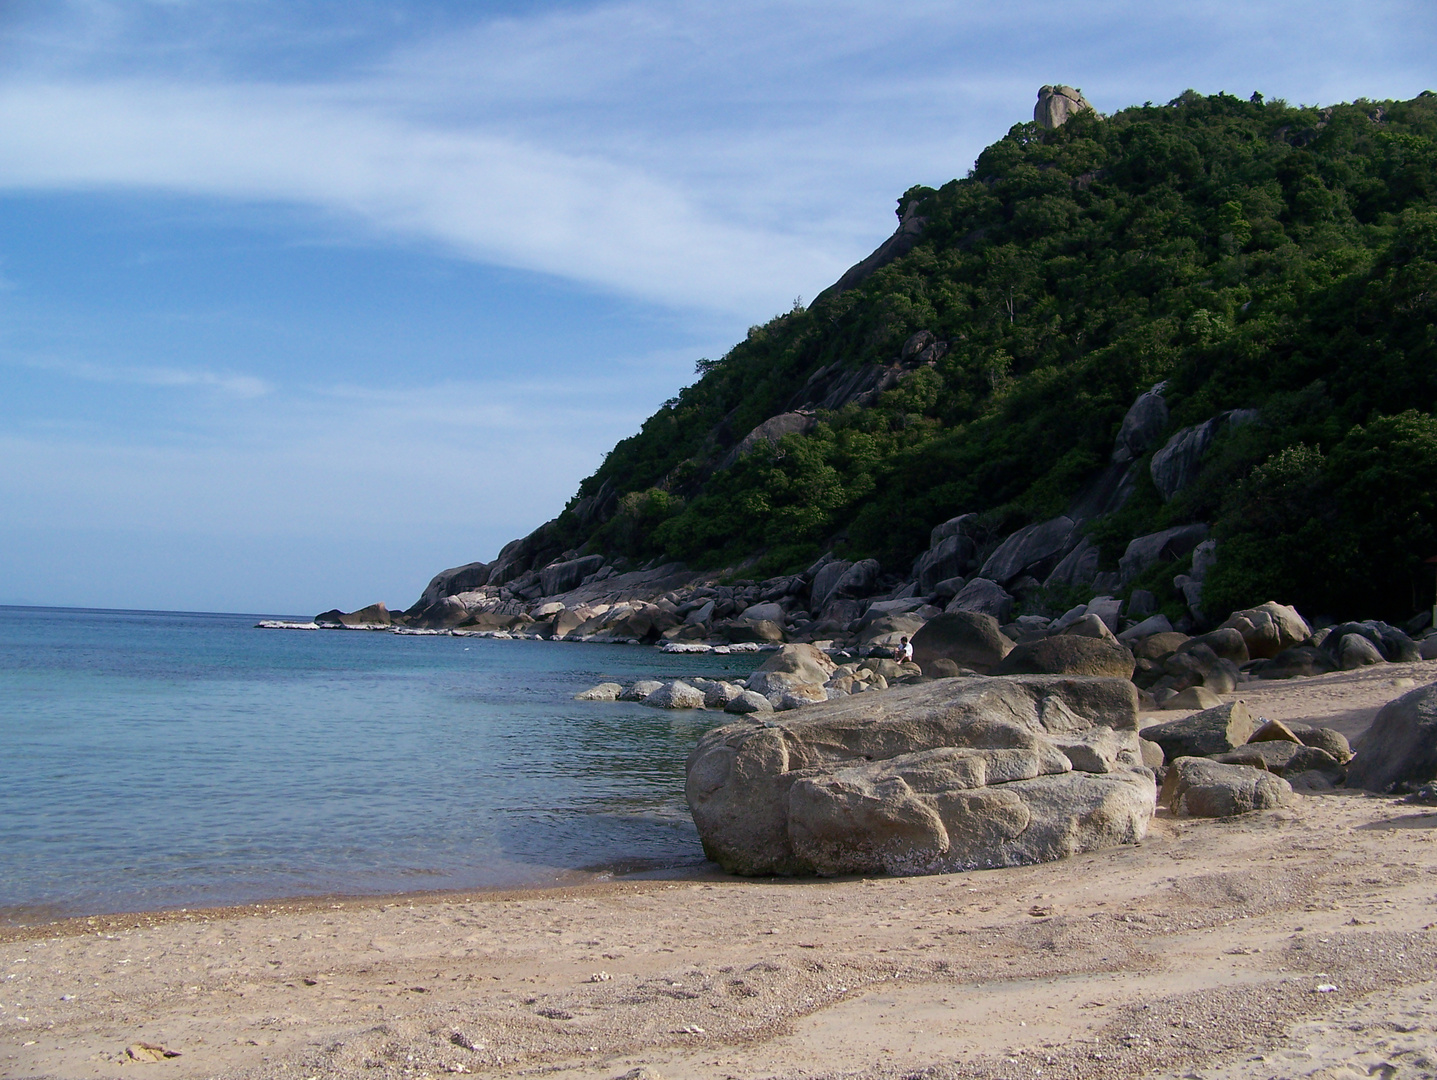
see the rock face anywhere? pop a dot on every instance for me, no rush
(1057, 103)
(968, 639)
(1212, 731)
(770, 431)
(1197, 787)
(950, 775)
(1399, 751)
(1069, 654)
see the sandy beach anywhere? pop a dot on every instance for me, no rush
(1299, 942)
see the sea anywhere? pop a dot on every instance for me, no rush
(174, 760)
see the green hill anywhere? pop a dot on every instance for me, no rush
(1251, 255)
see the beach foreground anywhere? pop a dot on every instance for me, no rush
(1291, 943)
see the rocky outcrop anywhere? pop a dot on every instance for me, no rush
(1178, 463)
(909, 232)
(1399, 751)
(1057, 103)
(770, 431)
(1141, 426)
(950, 775)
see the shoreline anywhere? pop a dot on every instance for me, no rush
(1303, 937)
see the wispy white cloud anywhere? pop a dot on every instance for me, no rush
(694, 154)
(233, 385)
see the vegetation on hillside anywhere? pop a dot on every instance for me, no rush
(1253, 254)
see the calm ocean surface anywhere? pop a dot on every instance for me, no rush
(155, 759)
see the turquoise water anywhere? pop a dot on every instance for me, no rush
(156, 759)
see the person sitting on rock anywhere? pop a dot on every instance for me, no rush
(905, 651)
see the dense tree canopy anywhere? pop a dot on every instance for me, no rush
(1252, 254)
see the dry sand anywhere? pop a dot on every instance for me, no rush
(1300, 942)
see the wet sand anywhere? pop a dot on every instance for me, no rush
(1300, 942)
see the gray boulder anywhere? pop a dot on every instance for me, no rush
(1269, 628)
(676, 695)
(1355, 651)
(1325, 738)
(1303, 661)
(749, 701)
(641, 690)
(825, 578)
(1148, 628)
(770, 431)
(1390, 643)
(717, 695)
(1090, 626)
(1178, 463)
(950, 557)
(1057, 103)
(1165, 546)
(983, 597)
(1077, 568)
(949, 775)
(1197, 787)
(1068, 654)
(792, 666)
(1034, 550)
(1282, 758)
(1226, 643)
(451, 582)
(955, 526)
(605, 691)
(1399, 751)
(771, 611)
(1213, 731)
(971, 640)
(1142, 425)
(860, 579)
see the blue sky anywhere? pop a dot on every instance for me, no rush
(303, 302)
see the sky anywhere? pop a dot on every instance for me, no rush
(303, 302)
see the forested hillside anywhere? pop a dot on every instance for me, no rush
(1250, 255)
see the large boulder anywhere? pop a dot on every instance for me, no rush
(1399, 750)
(1057, 103)
(1197, 787)
(1269, 628)
(949, 775)
(1142, 425)
(1302, 661)
(676, 695)
(950, 557)
(451, 582)
(1217, 730)
(825, 578)
(1034, 550)
(792, 666)
(1165, 546)
(969, 639)
(1388, 643)
(1077, 568)
(1282, 758)
(983, 597)
(770, 431)
(1069, 654)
